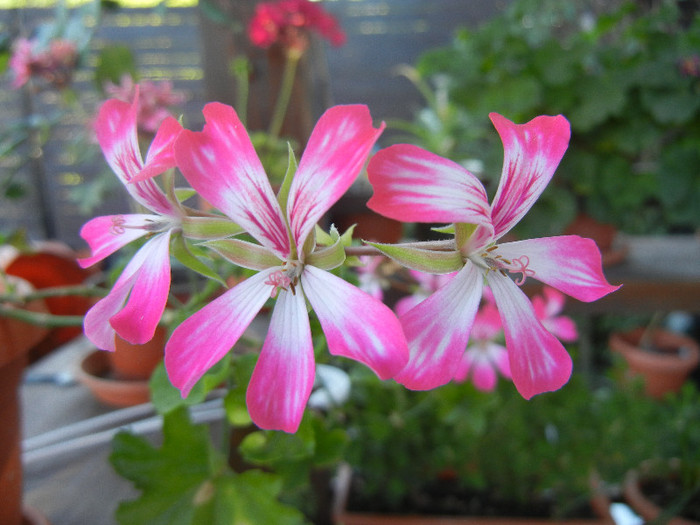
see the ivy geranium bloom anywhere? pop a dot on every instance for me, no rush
(413, 185)
(548, 307)
(484, 357)
(221, 165)
(137, 300)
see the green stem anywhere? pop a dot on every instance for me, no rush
(285, 93)
(55, 291)
(40, 318)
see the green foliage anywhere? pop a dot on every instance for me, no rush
(512, 449)
(186, 481)
(113, 62)
(617, 77)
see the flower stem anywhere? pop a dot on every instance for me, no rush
(438, 246)
(285, 93)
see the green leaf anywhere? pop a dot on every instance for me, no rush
(430, 261)
(245, 254)
(113, 62)
(169, 477)
(166, 398)
(254, 496)
(182, 253)
(183, 194)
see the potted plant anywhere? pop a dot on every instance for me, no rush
(664, 359)
(666, 487)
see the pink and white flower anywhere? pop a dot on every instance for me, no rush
(137, 300)
(484, 358)
(411, 184)
(220, 163)
(427, 284)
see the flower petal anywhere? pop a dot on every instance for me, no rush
(200, 341)
(221, 164)
(569, 263)
(414, 185)
(96, 324)
(538, 361)
(333, 158)
(106, 234)
(138, 320)
(355, 324)
(532, 153)
(483, 375)
(115, 128)
(438, 330)
(160, 156)
(284, 374)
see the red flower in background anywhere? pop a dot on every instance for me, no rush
(288, 22)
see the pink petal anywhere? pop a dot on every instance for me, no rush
(355, 324)
(438, 329)
(569, 263)
(532, 153)
(414, 185)
(554, 300)
(115, 128)
(562, 327)
(483, 375)
(487, 323)
(160, 156)
(333, 158)
(206, 336)
(405, 304)
(499, 356)
(106, 234)
(538, 361)
(138, 320)
(221, 164)
(284, 374)
(96, 322)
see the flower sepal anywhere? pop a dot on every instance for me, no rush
(328, 257)
(422, 259)
(244, 253)
(182, 252)
(209, 228)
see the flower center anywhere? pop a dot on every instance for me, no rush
(490, 260)
(286, 278)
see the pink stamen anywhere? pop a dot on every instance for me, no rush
(118, 223)
(520, 265)
(278, 280)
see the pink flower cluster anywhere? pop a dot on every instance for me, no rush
(443, 337)
(155, 100)
(288, 22)
(53, 64)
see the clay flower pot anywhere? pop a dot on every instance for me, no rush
(666, 367)
(642, 505)
(137, 362)
(17, 338)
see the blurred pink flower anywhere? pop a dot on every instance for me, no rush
(54, 64)
(484, 357)
(288, 22)
(546, 307)
(155, 99)
(427, 284)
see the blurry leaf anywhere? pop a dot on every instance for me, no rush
(113, 62)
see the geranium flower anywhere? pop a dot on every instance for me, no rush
(368, 277)
(53, 63)
(155, 99)
(411, 184)
(136, 302)
(547, 307)
(288, 21)
(484, 357)
(222, 166)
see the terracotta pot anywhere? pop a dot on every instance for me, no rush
(95, 373)
(663, 371)
(16, 339)
(603, 234)
(639, 502)
(51, 264)
(137, 362)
